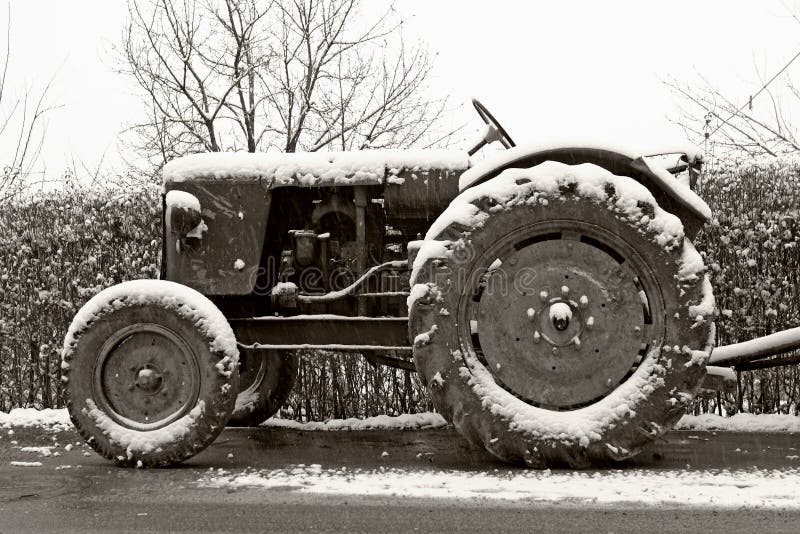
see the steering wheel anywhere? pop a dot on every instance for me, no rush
(495, 132)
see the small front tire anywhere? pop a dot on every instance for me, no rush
(150, 371)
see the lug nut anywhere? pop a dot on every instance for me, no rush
(584, 301)
(590, 322)
(543, 296)
(531, 313)
(564, 291)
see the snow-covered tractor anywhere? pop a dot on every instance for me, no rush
(555, 307)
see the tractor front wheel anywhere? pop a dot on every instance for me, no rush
(150, 369)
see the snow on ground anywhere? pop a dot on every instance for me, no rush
(718, 488)
(380, 422)
(50, 419)
(741, 422)
(58, 420)
(26, 464)
(41, 451)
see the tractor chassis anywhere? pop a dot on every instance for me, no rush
(381, 340)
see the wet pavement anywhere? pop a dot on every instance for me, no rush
(77, 491)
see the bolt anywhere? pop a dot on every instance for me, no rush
(555, 350)
(590, 322)
(564, 291)
(537, 337)
(560, 314)
(584, 301)
(577, 342)
(531, 313)
(637, 329)
(543, 295)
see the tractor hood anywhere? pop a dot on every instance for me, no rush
(312, 169)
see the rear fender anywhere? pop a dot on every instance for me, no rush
(670, 194)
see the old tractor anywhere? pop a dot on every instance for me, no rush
(549, 296)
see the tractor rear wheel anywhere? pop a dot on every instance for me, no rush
(266, 379)
(150, 371)
(559, 316)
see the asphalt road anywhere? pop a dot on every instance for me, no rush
(95, 496)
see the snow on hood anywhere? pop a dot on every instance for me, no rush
(363, 167)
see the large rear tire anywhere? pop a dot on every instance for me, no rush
(150, 370)
(266, 381)
(559, 316)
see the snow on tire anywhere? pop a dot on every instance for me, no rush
(150, 369)
(559, 316)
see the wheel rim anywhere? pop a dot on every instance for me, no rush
(561, 313)
(146, 377)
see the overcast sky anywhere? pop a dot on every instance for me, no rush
(550, 68)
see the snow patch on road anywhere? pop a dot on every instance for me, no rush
(380, 422)
(56, 420)
(712, 488)
(42, 451)
(741, 422)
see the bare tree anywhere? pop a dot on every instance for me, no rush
(283, 74)
(22, 126)
(761, 124)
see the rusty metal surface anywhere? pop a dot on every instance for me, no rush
(576, 360)
(146, 376)
(757, 349)
(414, 204)
(719, 379)
(331, 332)
(236, 216)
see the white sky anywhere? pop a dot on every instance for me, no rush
(582, 68)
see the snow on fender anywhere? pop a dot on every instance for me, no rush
(151, 372)
(578, 326)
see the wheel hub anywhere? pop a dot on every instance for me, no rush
(559, 322)
(560, 314)
(149, 379)
(146, 376)
(563, 320)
